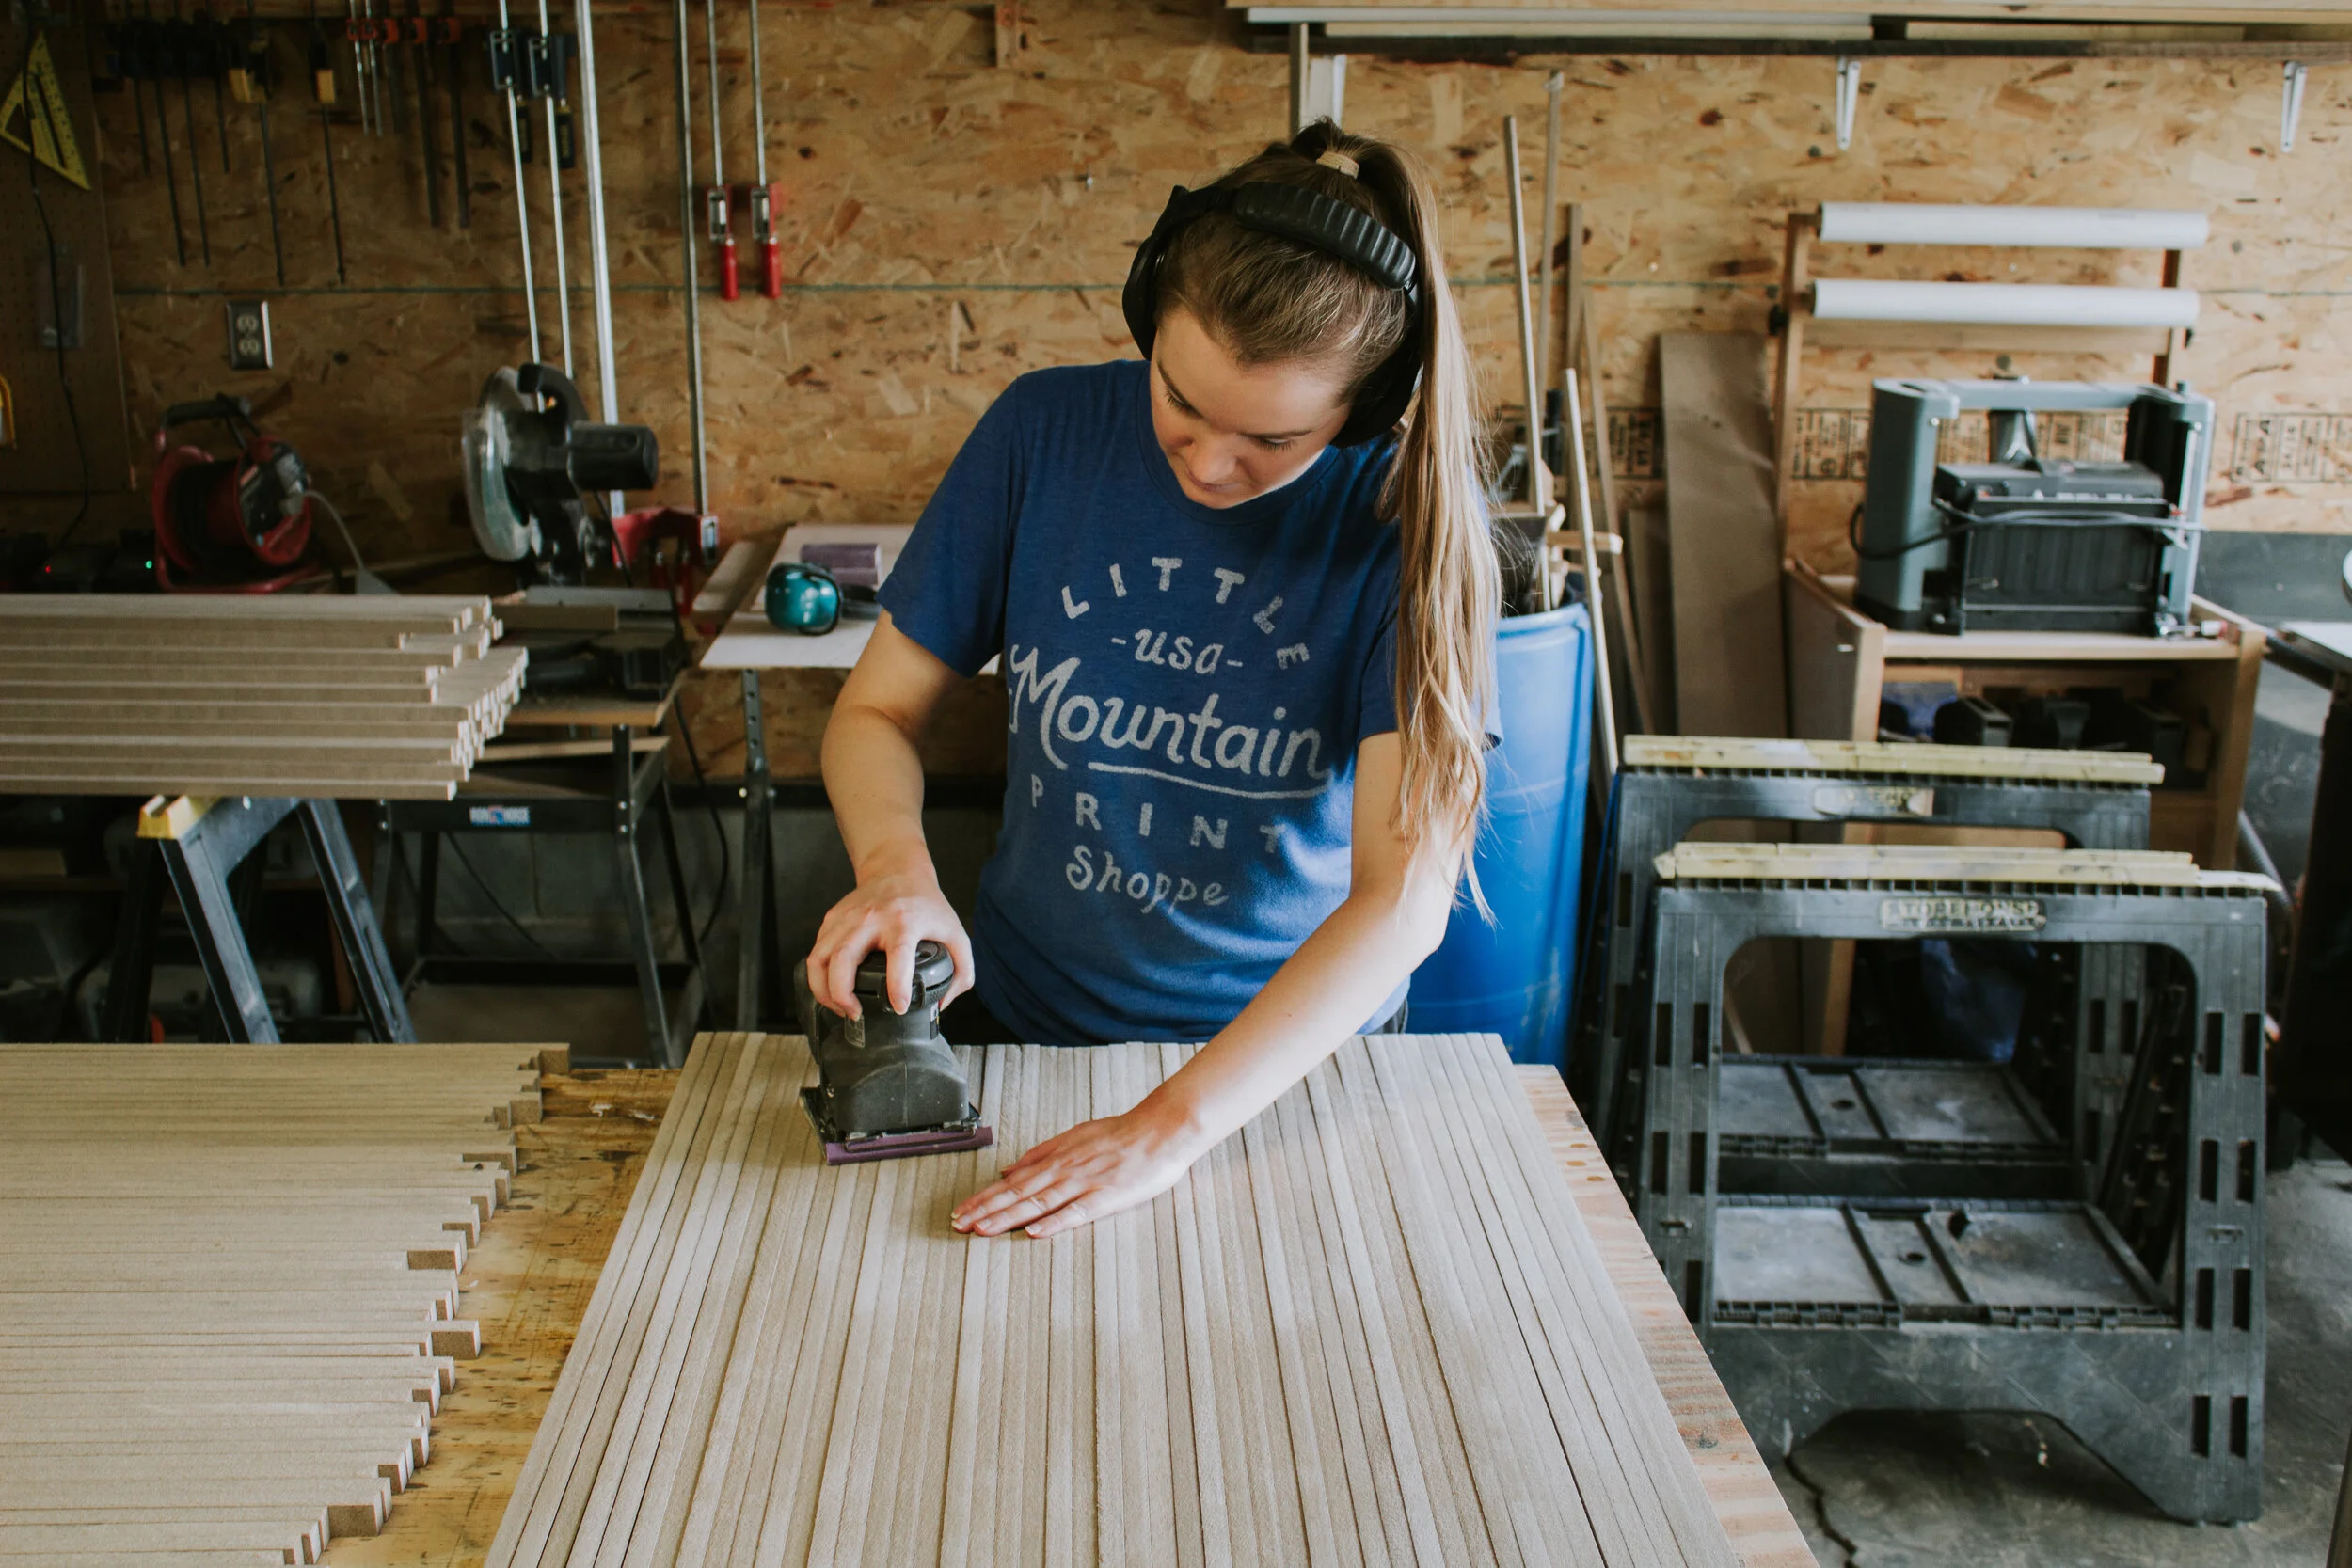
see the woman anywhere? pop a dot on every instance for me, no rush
(1244, 598)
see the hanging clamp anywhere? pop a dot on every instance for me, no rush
(719, 204)
(765, 200)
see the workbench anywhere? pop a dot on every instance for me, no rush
(1841, 663)
(529, 1281)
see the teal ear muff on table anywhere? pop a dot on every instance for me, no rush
(803, 599)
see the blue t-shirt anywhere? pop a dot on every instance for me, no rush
(1188, 687)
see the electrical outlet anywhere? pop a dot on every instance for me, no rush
(248, 334)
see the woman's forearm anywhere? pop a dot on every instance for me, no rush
(874, 776)
(1323, 993)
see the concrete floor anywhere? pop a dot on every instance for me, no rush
(597, 1022)
(2001, 1491)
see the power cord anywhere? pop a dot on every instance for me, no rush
(35, 104)
(362, 579)
(718, 829)
(1969, 523)
(416, 882)
(479, 881)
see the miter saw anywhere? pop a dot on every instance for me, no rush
(889, 1085)
(537, 469)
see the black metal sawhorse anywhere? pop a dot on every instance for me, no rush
(199, 845)
(633, 793)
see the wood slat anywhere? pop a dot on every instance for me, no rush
(319, 697)
(1371, 1329)
(227, 1287)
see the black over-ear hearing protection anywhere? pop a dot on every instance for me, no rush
(1314, 219)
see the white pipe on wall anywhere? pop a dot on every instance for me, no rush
(2002, 304)
(2074, 227)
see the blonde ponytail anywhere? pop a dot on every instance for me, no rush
(1270, 299)
(1449, 586)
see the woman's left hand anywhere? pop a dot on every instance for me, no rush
(1090, 1172)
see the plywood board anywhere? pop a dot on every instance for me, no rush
(1370, 1329)
(225, 1289)
(1724, 541)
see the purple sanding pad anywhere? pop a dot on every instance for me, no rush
(853, 564)
(902, 1146)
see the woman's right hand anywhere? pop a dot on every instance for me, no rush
(895, 906)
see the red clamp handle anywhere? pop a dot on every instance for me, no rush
(770, 268)
(729, 288)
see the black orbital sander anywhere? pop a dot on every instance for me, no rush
(888, 1085)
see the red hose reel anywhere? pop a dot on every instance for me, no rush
(228, 525)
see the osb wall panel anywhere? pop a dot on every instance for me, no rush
(951, 225)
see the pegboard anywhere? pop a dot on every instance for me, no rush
(43, 460)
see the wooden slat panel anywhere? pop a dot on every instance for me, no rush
(1722, 14)
(1741, 1490)
(1371, 1330)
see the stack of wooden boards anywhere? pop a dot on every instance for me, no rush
(228, 1287)
(1371, 1329)
(316, 696)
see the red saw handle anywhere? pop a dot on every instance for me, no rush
(729, 286)
(770, 268)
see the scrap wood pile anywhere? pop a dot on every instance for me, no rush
(228, 1287)
(1372, 1328)
(367, 697)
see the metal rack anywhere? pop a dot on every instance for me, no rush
(621, 796)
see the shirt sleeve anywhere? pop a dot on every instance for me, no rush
(947, 589)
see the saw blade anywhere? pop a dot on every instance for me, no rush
(501, 531)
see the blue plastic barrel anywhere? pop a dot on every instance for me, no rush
(1517, 977)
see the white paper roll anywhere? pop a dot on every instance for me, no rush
(2075, 228)
(2002, 304)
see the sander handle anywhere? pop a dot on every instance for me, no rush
(929, 954)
